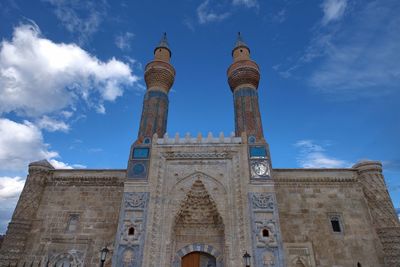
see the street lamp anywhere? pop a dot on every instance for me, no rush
(103, 255)
(246, 258)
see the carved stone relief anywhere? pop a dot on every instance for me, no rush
(267, 251)
(299, 254)
(72, 258)
(131, 230)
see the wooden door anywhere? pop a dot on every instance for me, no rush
(191, 260)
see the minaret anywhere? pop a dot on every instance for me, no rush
(159, 76)
(243, 78)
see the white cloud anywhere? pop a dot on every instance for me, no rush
(246, 3)
(314, 156)
(21, 143)
(10, 187)
(206, 14)
(333, 10)
(52, 125)
(62, 165)
(123, 41)
(356, 58)
(82, 18)
(362, 56)
(38, 76)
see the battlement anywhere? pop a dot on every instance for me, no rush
(199, 139)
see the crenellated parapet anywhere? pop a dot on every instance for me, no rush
(381, 208)
(199, 139)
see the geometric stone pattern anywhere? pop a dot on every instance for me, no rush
(198, 209)
(390, 238)
(247, 113)
(154, 116)
(198, 217)
(194, 191)
(383, 214)
(129, 245)
(267, 244)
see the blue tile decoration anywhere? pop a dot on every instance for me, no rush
(128, 249)
(267, 250)
(141, 152)
(245, 92)
(258, 152)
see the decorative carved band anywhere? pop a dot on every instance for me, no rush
(306, 181)
(86, 181)
(197, 155)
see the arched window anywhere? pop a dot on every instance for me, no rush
(131, 231)
(73, 223)
(359, 264)
(265, 233)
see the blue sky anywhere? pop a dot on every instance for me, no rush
(71, 80)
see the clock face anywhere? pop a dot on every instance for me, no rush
(260, 169)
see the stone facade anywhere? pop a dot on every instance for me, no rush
(69, 217)
(210, 198)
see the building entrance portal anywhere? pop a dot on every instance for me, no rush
(198, 259)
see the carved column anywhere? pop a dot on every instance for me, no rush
(381, 208)
(13, 247)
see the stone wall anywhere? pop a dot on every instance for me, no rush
(307, 201)
(77, 216)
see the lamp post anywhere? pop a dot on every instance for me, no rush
(246, 258)
(103, 255)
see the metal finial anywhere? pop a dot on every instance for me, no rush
(164, 41)
(239, 41)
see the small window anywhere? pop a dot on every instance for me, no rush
(336, 225)
(131, 231)
(241, 50)
(265, 233)
(359, 264)
(73, 223)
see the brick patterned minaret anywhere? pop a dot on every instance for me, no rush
(243, 78)
(159, 76)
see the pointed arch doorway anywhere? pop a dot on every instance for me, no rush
(198, 259)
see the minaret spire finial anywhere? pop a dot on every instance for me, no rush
(163, 43)
(239, 41)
